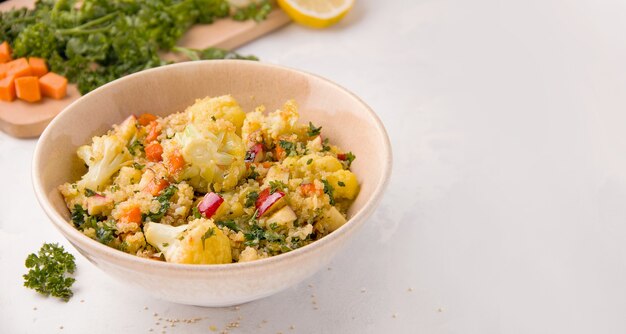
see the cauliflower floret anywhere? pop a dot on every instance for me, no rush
(248, 254)
(199, 242)
(252, 124)
(127, 176)
(106, 155)
(282, 121)
(205, 111)
(214, 160)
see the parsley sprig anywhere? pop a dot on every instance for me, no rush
(49, 270)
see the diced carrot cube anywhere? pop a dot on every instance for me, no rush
(145, 119)
(156, 186)
(5, 52)
(38, 66)
(176, 162)
(131, 215)
(53, 85)
(27, 89)
(7, 89)
(154, 151)
(19, 68)
(153, 132)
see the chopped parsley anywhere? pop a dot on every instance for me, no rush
(164, 200)
(251, 198)
(329, 190)
(213, 118)
(209, 233)
(228, 223)
(253, 174)
(195, 213)
(105, 232)
(289, 147)
(349, 158)
(308, 162)
(325, 146)
(313, 131)
(277, 185)
(135, 147)
(48, 271)
(89, 192)
(138, 166)
(341, 184)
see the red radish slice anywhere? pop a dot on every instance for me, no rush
(255, 153)
(267, 201)
(209, 204)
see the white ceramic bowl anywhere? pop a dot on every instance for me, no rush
(346, 120)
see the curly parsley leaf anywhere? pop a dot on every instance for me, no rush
(48, 271)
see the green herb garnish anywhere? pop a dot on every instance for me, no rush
(48, 271)
(277, 185)
(135, 147)
(251, 198)
(228, 223)
(92, 42)
(209, 233)
(329, 190)
(138, 166)
(164, 200)
(349, 158)
(289, 147)
(195, 213)
(89, 192)
(313, 131)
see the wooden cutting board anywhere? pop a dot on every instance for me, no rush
(23, 120)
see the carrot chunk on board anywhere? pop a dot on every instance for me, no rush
(27, 89)
(7, 89)
(38, 66)
(19, 68)
(5, 52)
(53, 85)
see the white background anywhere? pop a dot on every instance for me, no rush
(506, 212)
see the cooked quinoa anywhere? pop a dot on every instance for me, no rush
(211, 184)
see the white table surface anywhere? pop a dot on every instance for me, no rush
(506, 212)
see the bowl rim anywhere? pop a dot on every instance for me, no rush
(74, 235)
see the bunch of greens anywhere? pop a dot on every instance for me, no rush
(92, 42)
(48, 271)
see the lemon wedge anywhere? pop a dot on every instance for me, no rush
(316, 13)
